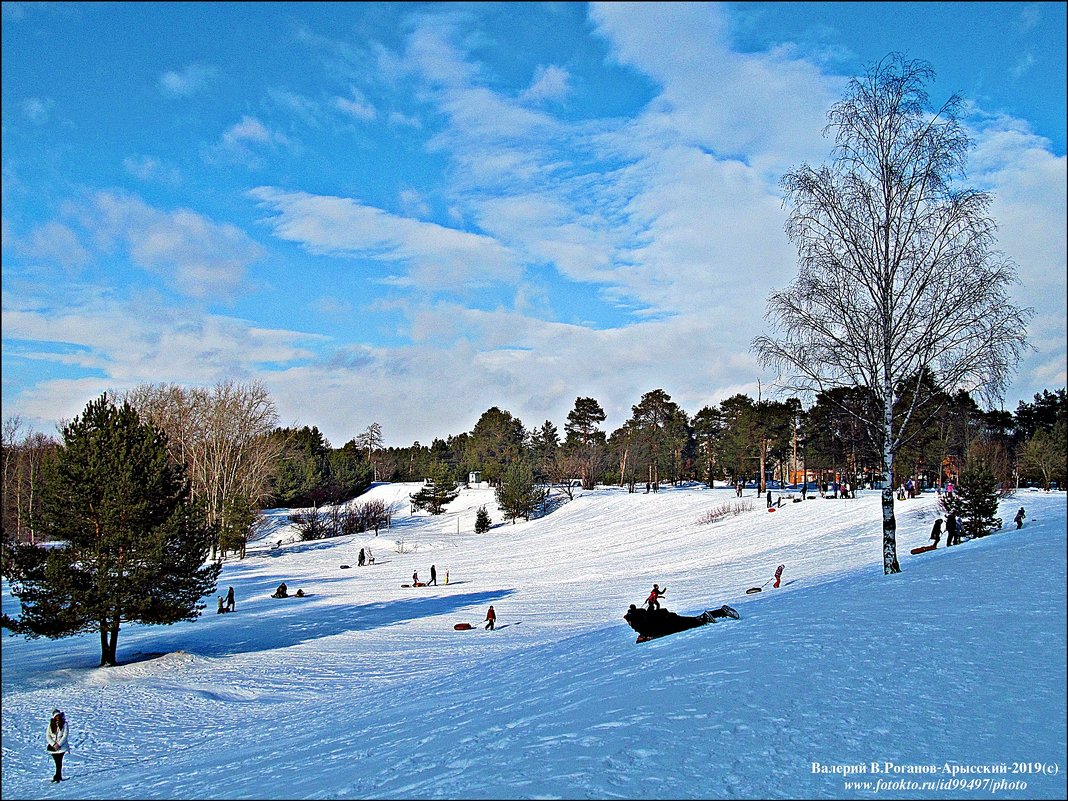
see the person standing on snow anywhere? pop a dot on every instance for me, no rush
(653, 601)
(433, 576)
(56, 737)
(1018, 520)
(952, 530)
(491, 618)
(231, 604)
(415, 578)
(936, 532)
(361, 560)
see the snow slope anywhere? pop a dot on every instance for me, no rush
(956, 666)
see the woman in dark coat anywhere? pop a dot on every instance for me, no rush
(936, 532)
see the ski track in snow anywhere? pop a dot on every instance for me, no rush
(363, 690)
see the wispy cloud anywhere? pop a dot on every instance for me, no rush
(551, 83)
(431, 256)
(186, 81)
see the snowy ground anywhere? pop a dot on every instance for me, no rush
(956, 666)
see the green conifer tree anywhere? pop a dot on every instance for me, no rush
(130, 545)
(517, 495)
(438, 493)
(975, 501)
(482, 520)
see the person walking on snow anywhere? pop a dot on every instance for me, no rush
(231, 604)
(56, 737)
(433, 576)
(653, 601)
(778, 575)
(491, 618)
(936, 532)
(1019, 518)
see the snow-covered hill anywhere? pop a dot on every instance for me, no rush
(952, 672)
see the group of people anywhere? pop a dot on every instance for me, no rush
(651, 621)
(283, 592)
(953, 528)
(433, 578)
(229, 605)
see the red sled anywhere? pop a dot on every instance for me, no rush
(771, 508)
(463, 627)
(923, 549)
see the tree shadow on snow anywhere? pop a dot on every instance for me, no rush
(256, 626)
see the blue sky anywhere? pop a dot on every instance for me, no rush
(408, 213)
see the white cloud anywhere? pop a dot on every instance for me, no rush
(198, 257)
(356, 106)
(37, 109)
(186, 81)
(551, 83)
(56, 243)
(433, 257)
(150, 168)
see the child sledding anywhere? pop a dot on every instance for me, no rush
(656, 622)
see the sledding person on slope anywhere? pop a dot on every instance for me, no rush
(282, 591)
(936, 532)
(660, 622)
(653, 601)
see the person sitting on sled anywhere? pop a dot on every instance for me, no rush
(653, 601)
(660, 622)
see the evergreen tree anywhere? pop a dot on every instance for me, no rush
(585, 441)
(438, 493)
(134, 545)
(975, 501)
(482, 520)
(517, 495)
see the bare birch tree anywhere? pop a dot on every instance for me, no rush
(222, 435)
(898, 272)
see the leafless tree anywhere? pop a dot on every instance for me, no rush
(220, 434)
(24, 455)
(898, 272)
(371, 439)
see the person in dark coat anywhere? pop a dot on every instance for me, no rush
(936, 532)
(56, 737)
(433, 576)
(361, 560)
(952, 530)
(282, 591)
(1018, 520)
(231, 604)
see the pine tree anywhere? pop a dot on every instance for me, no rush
(134, 544)
(975, 502)
(482, 520)
(517, 495)
(440, 492)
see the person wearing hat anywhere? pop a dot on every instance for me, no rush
(56, 738)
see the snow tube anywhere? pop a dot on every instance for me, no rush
(463, 627)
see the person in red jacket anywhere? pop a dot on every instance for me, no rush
(778, 575)
(653, 601)
(491, 618)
